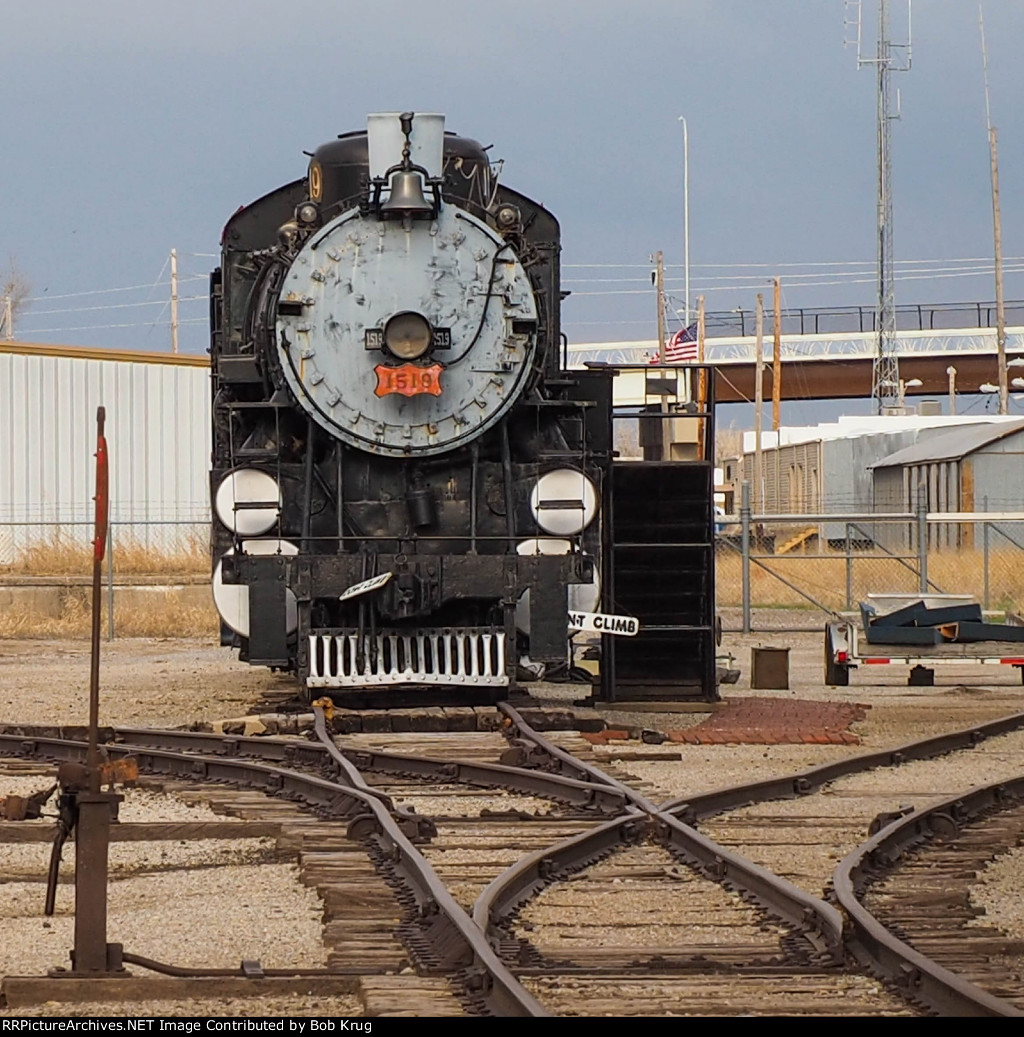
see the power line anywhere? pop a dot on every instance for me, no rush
(929, 271)
(772, 266)
(802, 284)
(116, 306)
(108, 291)
(104, 327)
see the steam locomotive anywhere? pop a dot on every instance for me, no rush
(407, 482)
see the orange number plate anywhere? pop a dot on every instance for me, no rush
(408, 380)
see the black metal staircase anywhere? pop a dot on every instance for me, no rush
(659, 566)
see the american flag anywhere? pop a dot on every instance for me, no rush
(681, 347)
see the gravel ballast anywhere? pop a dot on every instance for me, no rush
(163, 895)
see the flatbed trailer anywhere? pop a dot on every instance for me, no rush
(846, 649)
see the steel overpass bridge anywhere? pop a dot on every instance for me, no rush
(828, 354)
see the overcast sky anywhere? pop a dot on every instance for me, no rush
(132, 128)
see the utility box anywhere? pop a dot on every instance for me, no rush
(769, 668)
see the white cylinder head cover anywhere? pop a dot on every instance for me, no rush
(563, 502)
(582, 597)
(248, 486)
(232, 599)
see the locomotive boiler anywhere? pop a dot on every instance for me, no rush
(407, 482)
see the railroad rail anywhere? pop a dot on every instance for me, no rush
(601, 823)
(915, 835)
(443, 924)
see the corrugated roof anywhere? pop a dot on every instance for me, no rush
(952, 445)
(92, 353)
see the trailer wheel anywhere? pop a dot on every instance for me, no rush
(836, 673)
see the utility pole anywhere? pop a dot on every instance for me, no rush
(8, 321)
(997, 231)
(174, 300)
(885, 373)
(659, 284)
(885, 380)
(777, 354)
(758, 405)
(1004, 396)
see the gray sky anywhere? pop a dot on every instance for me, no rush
(130, 128)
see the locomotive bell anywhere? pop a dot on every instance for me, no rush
(407, 194)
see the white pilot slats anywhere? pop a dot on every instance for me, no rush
(450, 656)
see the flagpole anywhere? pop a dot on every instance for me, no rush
(686, 223)
(703, 447)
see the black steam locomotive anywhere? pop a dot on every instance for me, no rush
(407, 482)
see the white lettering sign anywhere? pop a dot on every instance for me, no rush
(371, 584)
(602, 623)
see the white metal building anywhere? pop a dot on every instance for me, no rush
(158, 435)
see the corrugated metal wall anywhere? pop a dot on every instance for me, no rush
(158, 432)
(791, 475)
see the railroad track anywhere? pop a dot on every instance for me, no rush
(909, 892)
(568, 871)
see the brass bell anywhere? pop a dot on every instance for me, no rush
(407, 194)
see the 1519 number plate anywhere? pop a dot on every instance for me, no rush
(408, 380)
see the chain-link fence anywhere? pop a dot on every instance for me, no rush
(47, 569)
(773, 572)
(789, 572)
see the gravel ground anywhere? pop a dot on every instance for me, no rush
(168, 682)
(1001, 875)
(198, 904)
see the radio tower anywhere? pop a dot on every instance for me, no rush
(889, 57)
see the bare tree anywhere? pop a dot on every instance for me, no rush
(728, 444)
(14, 296)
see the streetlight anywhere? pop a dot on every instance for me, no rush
(686, 223)
(914, 383)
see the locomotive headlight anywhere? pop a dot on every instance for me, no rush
(408, 335)
(307, 213)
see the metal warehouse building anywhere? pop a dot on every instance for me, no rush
(828, 467)
(977, 468)
(158, 432)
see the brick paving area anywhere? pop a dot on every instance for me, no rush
(774, 721)
(761, 721)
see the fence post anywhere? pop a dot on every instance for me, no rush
(922, 536)
(984, 534)
(745, 548)
(110, 581)
(984, 541)
(849, 569)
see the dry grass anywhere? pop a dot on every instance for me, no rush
(166, 615)
(68, 556)
(956, 572)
